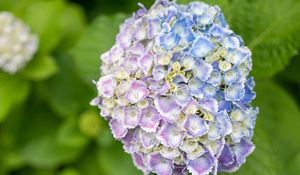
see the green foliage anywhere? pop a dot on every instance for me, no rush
(48, 128)
(13, 91)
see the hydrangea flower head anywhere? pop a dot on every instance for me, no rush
(176, 91)
(17, 43)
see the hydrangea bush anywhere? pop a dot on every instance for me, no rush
(17, 43)
(176, 91)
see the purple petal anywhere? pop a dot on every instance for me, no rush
(169, 153)
(215, 147)
(167, 107)
(159, 73)
(191, 107)
(106, 86)
(213, 133)
(148, 139)
(139, 162)
(195, 126)
(145, 62)
(224, 123)
(182, 96)
(170, 135)
(210, 105)
(137, 91)
(125, 37)
(237, 132)
(199, 151)
(180, 170)
(149, 119)
(226, 157)
(201, 47)
(118, 114)
(117, 129)
(132, 117)
(154, 27)
(160, 165)
(202, 70)
(140, 32)
(228, 168)
(189, 145)
(242, 150)
(200, 166)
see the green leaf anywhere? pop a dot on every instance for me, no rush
(41, 67)
(13, 91)
(115, 153)
(44, 19)
(99, 37)
(68, 96)
(280, 118)
(73, 25)
(271, 32)
(40, 141)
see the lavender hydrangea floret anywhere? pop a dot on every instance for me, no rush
(176, 91)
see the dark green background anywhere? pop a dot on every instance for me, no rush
(48, 128)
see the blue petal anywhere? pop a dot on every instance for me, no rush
(188, 62)
(215, 78)
(195, 85)
(169, 41)
(208, 90)
(202, 70)
(249, 95)
(221, 19)
(231, 76)
(237, 56)
(201, 47)
(219, 32)
(235, 92)
(231, 42)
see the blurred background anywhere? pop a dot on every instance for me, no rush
(48, 128)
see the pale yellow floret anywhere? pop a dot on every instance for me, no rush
(176, 66)
(208, 117)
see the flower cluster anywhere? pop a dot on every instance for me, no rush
(17, 44)
(176, 91)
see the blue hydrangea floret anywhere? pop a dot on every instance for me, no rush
(176, 91)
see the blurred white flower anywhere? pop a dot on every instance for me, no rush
(17, 43)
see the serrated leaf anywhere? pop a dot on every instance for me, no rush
(99, 37)
(13, 91)
(41, 67)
